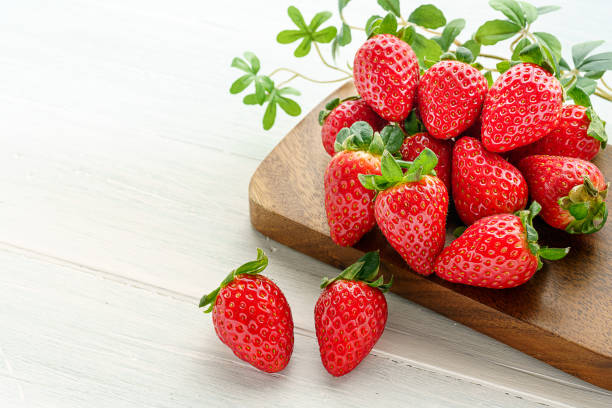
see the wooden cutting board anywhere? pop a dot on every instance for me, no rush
(562, 316)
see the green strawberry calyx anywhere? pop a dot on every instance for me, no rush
(392, 174)
(365, 270)
(413, 125)
(538, 251)
(361, 136)
(597, 127)
(331, 105)
(587, 205)
(249, 268)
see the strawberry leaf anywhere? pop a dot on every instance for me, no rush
(547, 9)
(495, 31)
(270, 115)
(388, 25)
(392, 6)
(392, 137)
(425, 48)
(581, 50)
(551, 42)
(428, 16)
(241, 83)
(290, 106)
(597, 62)
(365, 270)
(390, 170)
(597, 127)
(579, 96)
(529, 10)
(296, 16)
(524, 42)
(450, 32)
(473, 46)
(510, 9)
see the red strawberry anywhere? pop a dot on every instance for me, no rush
(579, 133)
(572, 192)
(450, 97)
(386, 74)
(418, 139)
(350, 315)
(484, 183)
(522, 106)
(411, 209)
(252, 317)
(340, 114)
(349, 205)
(500, 251)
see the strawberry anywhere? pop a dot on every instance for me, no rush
(522, 106)
(418, 139)
(450, 98)
(252, 317)
(350, 315)
(339, 114)
(411, 208)
(386, 74)
(499, 251)
(579, 133)
(572, 192)
(484, 183)
(349, 206)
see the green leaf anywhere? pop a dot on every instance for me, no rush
(594, 74)
(241, 64)
(597, 62)
(319, 19)
(342, 4)
(530, 11)
(371, 24)
(270, 114)
(524, 42)
(473, 46)
(489, 76)
(367, 181)
(450, 32)
(342, 135)
(579, 96)
(241, 83)
(547, 9)
(363, 131)
(551, 42)
(288, 91)
(390, 5)
(413, 125)
(325, 35)
(388, 25)
(503, 66)
(494, 31)
(289, 36)
(344, 36)
(425, 48)
(392, 137)
(408, 35)
(581, 50)
(377, 146)
(553, 254)
(304, 48)
(290, 106)
(459, 230)
(597, 127)
(564, 65)
(253, 60)
(511, 9)
(464, 55)
(531, 53)
(296, 17)
(587, 85)
(390, 170)
(250, 99)
(579, 210)
(424, 164)
(428, 16)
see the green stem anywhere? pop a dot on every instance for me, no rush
(328, 64)
(350, 26)
(297, 74)
(604, 84)
(602, 94)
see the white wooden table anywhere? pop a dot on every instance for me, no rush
(124, 166)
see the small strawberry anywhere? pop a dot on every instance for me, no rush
(499, 251)
(411, 208)
(349, 206)
(579, 133)
(450, 98)
(350, 315)
(339, 114)
(522, 106)
(386, 74)
(572, 192)
(252, 317)
(418, 139)
(484, 183)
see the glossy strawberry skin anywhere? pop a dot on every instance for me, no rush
(551, 178)
(484, 183)
(253, 318)
(493, 253)
(349, 205)
(412, 216)
(569, 138)
(386, 74)
(414, 144)
(350, 317)
(522, 106)
(450, 97)
(344, 115)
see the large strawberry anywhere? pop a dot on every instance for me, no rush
(386, 74)
(450, 98)
(522, 106)
(411, 208)
(349, 206)
(418, 139)
(579, 133)
(252, 317)
(351, 314)
(484, 183)
(500, 251)
(339, 114)
(572, 192)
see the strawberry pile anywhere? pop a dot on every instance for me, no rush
(448, 136)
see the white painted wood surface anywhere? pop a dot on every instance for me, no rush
(124, 166)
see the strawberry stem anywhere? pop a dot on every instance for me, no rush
(365, 270)
(587, 205)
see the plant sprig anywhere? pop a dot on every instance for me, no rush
(581, 80)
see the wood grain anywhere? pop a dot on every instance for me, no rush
(561, 316)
